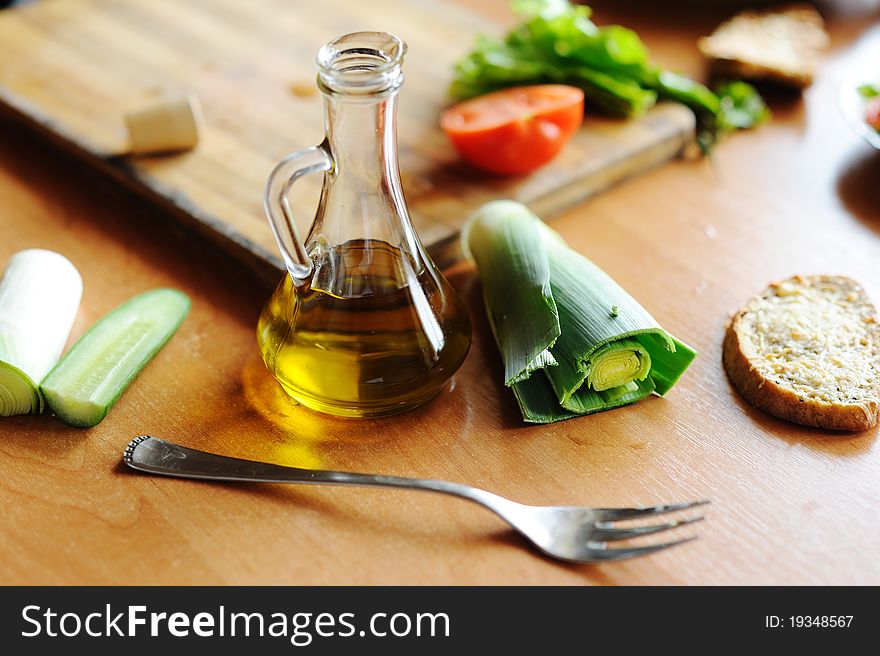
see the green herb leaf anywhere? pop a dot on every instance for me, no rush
(741, 105)
(869, 91)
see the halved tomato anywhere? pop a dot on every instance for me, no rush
(516, 130)
(872, 115)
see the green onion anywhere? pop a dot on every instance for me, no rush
(598, 359)
(39, 298)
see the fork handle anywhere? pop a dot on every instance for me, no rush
(155, 456)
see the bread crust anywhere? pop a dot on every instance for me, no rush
(737, 48)
(780, 401)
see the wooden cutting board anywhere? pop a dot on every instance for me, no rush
(73, 68)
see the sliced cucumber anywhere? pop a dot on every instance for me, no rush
(89, 380)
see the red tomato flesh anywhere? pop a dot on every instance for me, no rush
(516, 130)
(872, 116)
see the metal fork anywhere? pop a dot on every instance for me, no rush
(569, 533)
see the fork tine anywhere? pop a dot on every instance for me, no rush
(602, 554)
(607, 532)
(613, 514)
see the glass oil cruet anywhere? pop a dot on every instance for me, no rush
(363, 324)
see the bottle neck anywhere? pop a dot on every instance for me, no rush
(362, 139)
(362, 197)
(360, 75)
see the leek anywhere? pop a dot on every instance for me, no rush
(39, 298)
(608, 350)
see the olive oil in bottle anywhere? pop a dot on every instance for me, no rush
(363, 324)
(368, 335)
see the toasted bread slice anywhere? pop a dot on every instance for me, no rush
(783, 45)
(807, 349)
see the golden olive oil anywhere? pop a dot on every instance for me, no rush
(368, 335)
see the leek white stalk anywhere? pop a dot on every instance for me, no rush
(39, 297)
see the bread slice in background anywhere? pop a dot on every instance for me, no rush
(784, 45)
(807, 349)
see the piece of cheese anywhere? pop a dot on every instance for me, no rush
(169, 124)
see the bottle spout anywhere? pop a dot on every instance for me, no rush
(361, 63)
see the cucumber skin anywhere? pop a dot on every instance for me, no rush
(80, 420)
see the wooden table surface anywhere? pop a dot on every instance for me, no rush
(691, 240)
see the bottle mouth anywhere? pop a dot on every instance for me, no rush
(361, 62)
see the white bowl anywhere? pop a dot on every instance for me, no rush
(853, 106)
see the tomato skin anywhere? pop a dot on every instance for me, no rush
(872, 115)
(517, 130)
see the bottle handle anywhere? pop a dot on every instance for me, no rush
(279, 213)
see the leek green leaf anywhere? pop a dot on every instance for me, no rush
(506, 244)
(537, 402)
(587, 401)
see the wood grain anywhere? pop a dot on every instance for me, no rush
(692, 241)
(74, 67)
